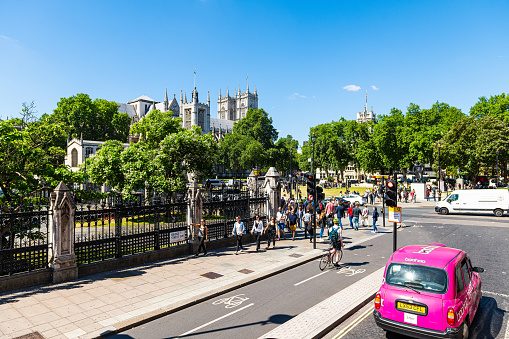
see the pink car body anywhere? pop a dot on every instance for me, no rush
(428, 291)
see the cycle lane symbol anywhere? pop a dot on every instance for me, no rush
(231, 302)
(350, 272)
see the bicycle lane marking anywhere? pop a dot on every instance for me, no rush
(306, 280)
(215, 320)
(231, 302)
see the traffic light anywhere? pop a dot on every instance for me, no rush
(391, 192)
(319, 193)
(310, 183)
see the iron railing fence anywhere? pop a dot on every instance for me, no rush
(24, 239)
(105, 232)
(220, 215)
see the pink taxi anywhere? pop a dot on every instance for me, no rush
(428, 291)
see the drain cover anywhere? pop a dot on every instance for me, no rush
(33, 335)
(246, 271)
(295, 255)
(212, 275)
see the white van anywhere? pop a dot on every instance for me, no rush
(475, 201)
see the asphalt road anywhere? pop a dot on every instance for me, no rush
(486, 240)
(254, 310)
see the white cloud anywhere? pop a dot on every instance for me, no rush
(296, 95)
(375, 88)
(7, 38)
(353, 88)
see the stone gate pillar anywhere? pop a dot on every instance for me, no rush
(272, 188)
(194, 213)
(62, 258)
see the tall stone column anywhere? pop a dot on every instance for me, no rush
(61, 235)
(272, 188)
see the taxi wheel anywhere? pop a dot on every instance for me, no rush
(444, 211)
(466, 329)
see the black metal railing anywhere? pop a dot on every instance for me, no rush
(105, 231)
(24, 240)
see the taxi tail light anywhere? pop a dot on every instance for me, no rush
(451, 316)
(378, 301)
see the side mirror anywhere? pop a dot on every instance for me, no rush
(478, 269)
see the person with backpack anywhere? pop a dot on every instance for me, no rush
(375, 219)
(336, 237)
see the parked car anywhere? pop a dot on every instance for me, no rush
(475, 201)
(354, 198)
(428, 291)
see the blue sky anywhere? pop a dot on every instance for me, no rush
(303, 56)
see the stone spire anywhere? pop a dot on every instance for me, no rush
(166, 104)
(255, 90)
(220, 93)
(247, 86)
(239, 89)
(227, 92)
(208, 98)
(181, 97)
(185, 98)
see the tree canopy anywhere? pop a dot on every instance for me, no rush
(96, 120)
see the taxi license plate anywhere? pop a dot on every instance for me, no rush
(412, 308)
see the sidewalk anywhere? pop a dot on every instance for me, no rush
(98, 304)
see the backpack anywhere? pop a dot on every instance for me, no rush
(333, 234)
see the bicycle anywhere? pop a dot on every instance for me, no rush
(332, 255)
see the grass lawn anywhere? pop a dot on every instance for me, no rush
(330, 191)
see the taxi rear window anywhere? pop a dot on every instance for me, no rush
(417, 277)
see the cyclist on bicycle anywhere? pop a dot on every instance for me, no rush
(336, 237)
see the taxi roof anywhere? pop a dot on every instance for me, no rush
(429, 255)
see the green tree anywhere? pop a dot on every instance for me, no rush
(472, 143)
(96, 120)
(160, 161)
(496, 106)
(258, 125)
(30, 161)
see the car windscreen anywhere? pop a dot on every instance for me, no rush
(417, 277)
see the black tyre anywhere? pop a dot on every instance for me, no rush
(324, 261)
(466, 329)
(444, 211)
(498, 212)
(337, 256)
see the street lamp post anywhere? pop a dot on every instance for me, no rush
(497, 169)
(291, 176)
(313, 139)
(256, 171)
(439, 174)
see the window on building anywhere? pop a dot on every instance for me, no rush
(74, 158)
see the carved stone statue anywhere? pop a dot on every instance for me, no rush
(418, 170)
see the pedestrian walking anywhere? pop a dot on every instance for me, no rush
(306, 219)
(202, 236)
(322, 222)
(292, 223)
(300, 214)
(364, 216)
(356, 212)
(339, 211)
(270, 229)
(257, 230)
(414, 196)
(375, 219)
(238, 230)
(281, 220)
(350, 215)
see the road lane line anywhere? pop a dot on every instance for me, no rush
(356, 322)
(215, 320)
(303, 281)
(499, 294)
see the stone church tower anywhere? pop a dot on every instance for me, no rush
(194, 113)
(235, 108)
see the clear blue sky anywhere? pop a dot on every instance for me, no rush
(302, 55)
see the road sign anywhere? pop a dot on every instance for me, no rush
(310, 197)
(395, 214)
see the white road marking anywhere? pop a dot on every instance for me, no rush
(507, 331)
(215, 320)
(494, 293)
(303, 281)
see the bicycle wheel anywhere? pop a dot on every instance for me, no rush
(337, 256)
(324, 261)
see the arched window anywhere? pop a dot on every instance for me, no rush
(74, 158)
